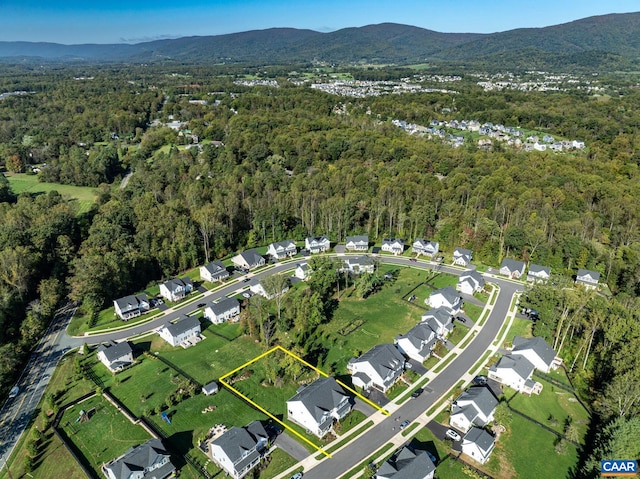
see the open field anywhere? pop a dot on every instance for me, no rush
(21, 183)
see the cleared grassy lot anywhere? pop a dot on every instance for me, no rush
(21, 182)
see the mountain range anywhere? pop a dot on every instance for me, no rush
(601, 42)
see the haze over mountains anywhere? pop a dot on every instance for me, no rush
(604, 42)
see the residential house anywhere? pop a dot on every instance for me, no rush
(282, 249)
(478, 444)
(303, 270)
(131, 306)
(213, 272)
(357, 243)
(537, 273)
(248, 260)
(115, 356)
(446, 297)
(470, 282)
(407, 464)
(378, 368)
(145, 461)
(359, 264)
(512, 268)
(240, 449)
(588, 279)
(440, 320)
(462, 257)
(426, 247)
(176, 289)
(316, 406)
(537, 351)
(393, 245)
(474, 407)
(515, 371)
(418, 342)
(182, 331)
(257, 287)
(317, 244)
(223, 310)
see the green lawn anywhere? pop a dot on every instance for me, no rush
(426, 441)
(278, 461)
(519, 327)
(473, 311)
(107, 422)
(21, 182)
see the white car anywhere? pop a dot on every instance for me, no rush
(453, 435)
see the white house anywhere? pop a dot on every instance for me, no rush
(588, 279)
(538, 273)
(418, 342)
(426, 247)
(515, 372)
(145, 461)
(176, 289)
(512, 268)
(478, 444)
(393, 245)
(316, 406)
(359, 264)
(257, 287)
(470, 282)
(357, 243)
(240, 449)
(378, 368)
(538, 352)
(474, 407)
(317, 244)
(115, 356)
(445, 297)
(248, 260)
(440, 320)
(462, 257)
(222, 311)
(214, 271)
(131, 306)
(407, 464)
(282, 249)
(303, 270)
(181, 332)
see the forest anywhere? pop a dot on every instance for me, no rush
(274, 163)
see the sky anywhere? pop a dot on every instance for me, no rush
(134, 21)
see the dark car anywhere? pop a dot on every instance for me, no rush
(201, 305)
(417, 393)
(413, 260)
(461, 319)
(480, 380)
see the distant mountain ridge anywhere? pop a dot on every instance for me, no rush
(607, 39)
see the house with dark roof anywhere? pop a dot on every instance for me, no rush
(538, 274)
(440, 320)
(145, 461)
(183, 332)
(418, 342)
(315, 407)
(537, 351)
(176, 289)
(407, 464)
(478, 444)
(131, 306)
(515, 372)
(223, 310)
(425, 247)
(512, 268)
(282, 249)
(240, 449)
(357, 243)
(393, 245)
(462, 257)
(446, 298)
(588, 279)
(115, 356)
(248, 260)
(378, 368)
(470, 282)
(302, 271)
(359, 264)
(474, 407)
(213, 272)
(317, 244)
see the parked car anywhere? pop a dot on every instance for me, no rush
(431, 456)
(414, 260)
(453, 435)
(461, 319)
(201, 305)
(480, 380)
(404, 424)
(297, 475)
(417, 393)
(14, 392)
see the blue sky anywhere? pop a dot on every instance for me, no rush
(133, 21)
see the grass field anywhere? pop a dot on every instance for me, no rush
(519, 327)
(21, 183)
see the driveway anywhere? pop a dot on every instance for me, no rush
(417, 367)
(468, 322)
(439, 431)
(291, 446)
(376, 397)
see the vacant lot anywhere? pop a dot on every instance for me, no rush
(21, 182)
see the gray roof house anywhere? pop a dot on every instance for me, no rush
(223, 310)
(115, 356)
(588, 279)
(516, 372)
(359, 264)
(145, 461)
(462, 257)
(247, 260)
(407, 464)
(214, 271)
(512, 268)
(131, 306)
(240, 449)
(176, 289)
(282, 249)
(316, 406)
(425, 247)
(537, 351)
(440, 320)
(357, 243)
(538, 273)
(380, 368)
(183, 332)
(445, 297)
(317, 244)
(393, 245)
(470, 282)
(418, 342)
(478, 444)
(474, 407)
